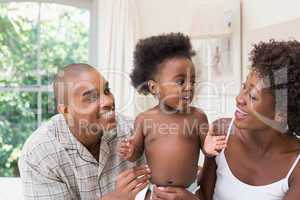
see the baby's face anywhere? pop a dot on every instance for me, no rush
(176, 79)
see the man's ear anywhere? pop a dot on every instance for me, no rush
(63, 109)
(153, 87)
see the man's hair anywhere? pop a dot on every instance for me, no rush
(60, 83)
(279, 62)
(152, 51)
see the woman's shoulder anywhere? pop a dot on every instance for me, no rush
(294, 179)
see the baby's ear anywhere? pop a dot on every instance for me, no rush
(153, 87)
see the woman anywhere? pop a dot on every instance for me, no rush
(261, 160)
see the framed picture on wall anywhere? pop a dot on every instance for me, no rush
(217, 43)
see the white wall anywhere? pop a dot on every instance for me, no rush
(162, 16)
(266, 19)
(11, 189)
(261, 20)
(262, 13)
(157, 16)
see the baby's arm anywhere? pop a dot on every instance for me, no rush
(210, 143)
(202, 124)
(132, 148)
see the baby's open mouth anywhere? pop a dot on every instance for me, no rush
(187, 98)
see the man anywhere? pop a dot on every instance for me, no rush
(74, 155)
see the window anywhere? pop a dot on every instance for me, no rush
(36, 40)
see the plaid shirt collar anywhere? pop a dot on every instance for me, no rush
(68, 140)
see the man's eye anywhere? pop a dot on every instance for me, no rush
(93, 98)
(180, 82)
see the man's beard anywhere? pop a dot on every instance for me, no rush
(91, 128)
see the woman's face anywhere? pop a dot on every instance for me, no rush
(255, 108)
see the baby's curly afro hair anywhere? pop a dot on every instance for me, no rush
(280, 62)
(152, 51)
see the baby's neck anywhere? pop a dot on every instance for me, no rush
(166, 109)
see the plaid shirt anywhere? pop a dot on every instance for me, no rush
(55, 165)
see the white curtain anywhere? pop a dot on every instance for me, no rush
(118, 32)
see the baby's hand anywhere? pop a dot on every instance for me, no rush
(213, 145)
(126, 148)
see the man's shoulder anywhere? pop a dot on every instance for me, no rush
(42, 142)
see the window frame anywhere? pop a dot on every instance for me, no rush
(88, 5)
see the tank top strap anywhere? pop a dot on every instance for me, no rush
(228, 134)
(293, 166)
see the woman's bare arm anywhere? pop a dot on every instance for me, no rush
(208, 179)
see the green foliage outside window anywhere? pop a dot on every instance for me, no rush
(57, 38)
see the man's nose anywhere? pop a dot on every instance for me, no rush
(107, 102)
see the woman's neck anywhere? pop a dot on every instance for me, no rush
(264, 142)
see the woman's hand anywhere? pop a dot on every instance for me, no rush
(172, 193)
(131, 182)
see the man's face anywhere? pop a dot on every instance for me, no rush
(90, 103)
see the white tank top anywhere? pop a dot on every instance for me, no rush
(228, 187)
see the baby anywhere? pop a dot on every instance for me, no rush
(172, 132)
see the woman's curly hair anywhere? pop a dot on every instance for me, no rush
(279, 61)
(152, 51)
